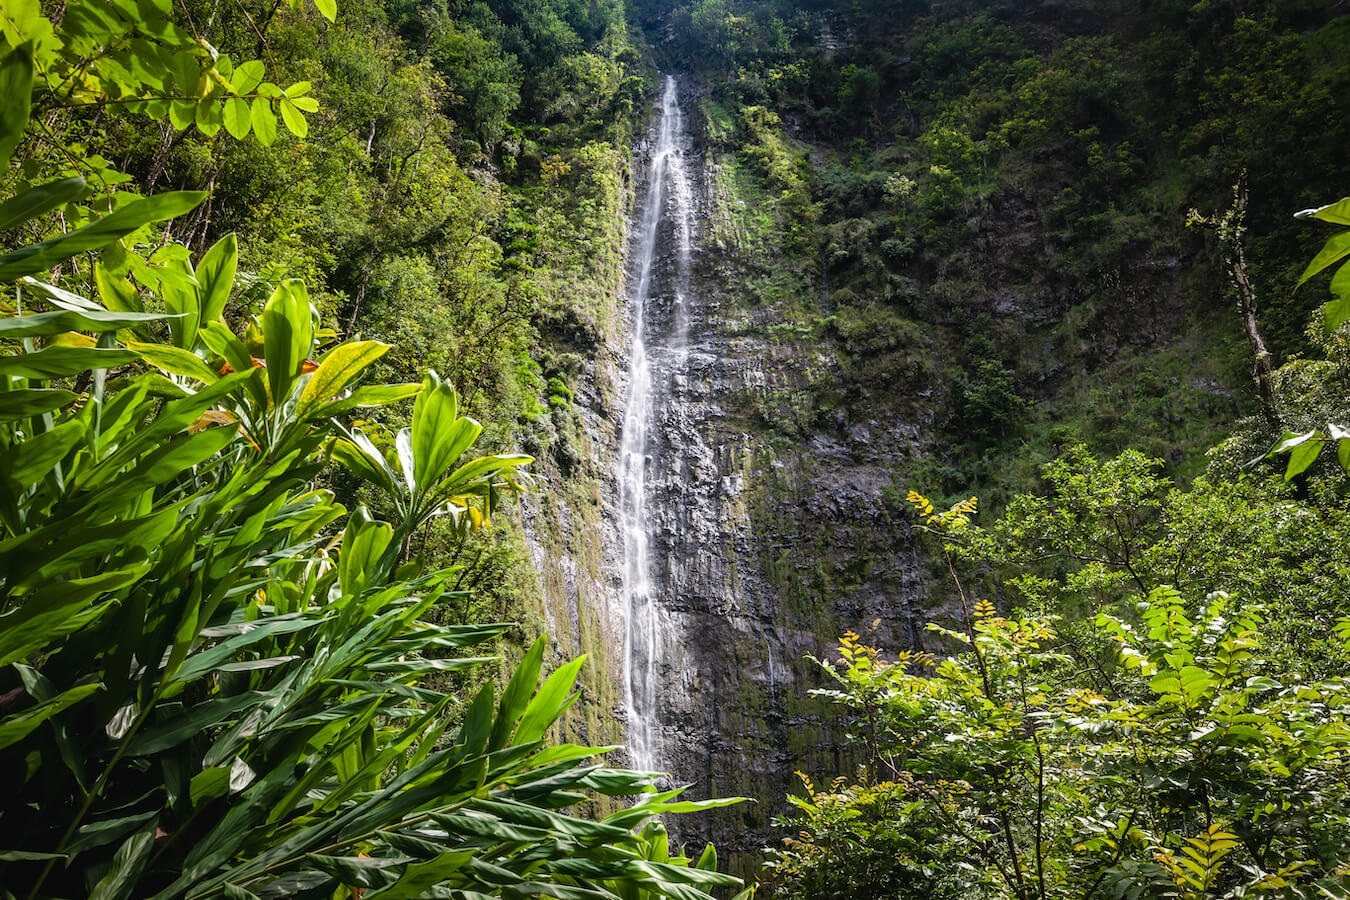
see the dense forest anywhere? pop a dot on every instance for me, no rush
(318, 322)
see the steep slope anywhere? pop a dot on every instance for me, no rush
(937, 243)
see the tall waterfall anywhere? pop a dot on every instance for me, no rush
(668, 200)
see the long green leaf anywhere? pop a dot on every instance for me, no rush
(127, 865)
(175, 360)
(549, 703)
(206, 661)
(288, 333)
(1338, 309)
(20, 404)
(59, 362)
(439, 435)
(215, 274)
(16, 91)
(1336, 248)
(516, 697)
(186, 725)
(64, 320)
(1337, 213)
(336, 370)
(99, 233)
(34, 458)
(16, 727)
(369, 395)
(40, 200)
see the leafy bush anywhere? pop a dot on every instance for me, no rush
(213, 684)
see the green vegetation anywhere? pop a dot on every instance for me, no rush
(1163, 713)
(1017, 177)
(289, 286)
(218, 680)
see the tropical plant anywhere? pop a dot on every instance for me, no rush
(1189, 761)
(212, 685)
(1304, 448)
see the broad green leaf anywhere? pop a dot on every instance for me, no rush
(336, 370)
(20, 404)
(1289, 440)
(495, 829)
(294, 119)
(61, 321)
(32, 459)
(247, 76)
(117, 293)
(1336, 248)
(516, 697)
(127, 865)
(288, 335)
(215, 273)
(264, 121)
(175, 360)
(182, 296)
(528, 814)
(439, 435)
(40, 200)
(549, 703)
(1338, 308)
(208, 784)
(39, 257)
(1337, 213)
(55, 610)
(184, 726)
(209, 118)
(105, 831)
(369, 395)
(169, 460)
(418, 878)
(182, 114)
(58, 362)
(237, 118)
(1302, 456)
(59, 297)
(328, 8)
(16, 727)
(16, 91)
(364, 542)
(223, 342)
(205, 661)
(364, 462)
(186, 71)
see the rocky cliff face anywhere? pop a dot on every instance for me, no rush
(762, 550)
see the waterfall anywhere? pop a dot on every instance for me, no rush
(668, 199)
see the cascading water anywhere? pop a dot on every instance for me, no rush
(668, 200)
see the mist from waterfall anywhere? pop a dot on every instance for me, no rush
(668, 199)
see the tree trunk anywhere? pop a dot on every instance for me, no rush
(1237, 268)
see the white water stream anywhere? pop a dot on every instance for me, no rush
(669, 199)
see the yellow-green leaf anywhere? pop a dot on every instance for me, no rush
(336, 370)
(264, 121)
(175, 360)
(237, 121)
(294, 119)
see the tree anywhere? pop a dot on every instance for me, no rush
(1190, 761)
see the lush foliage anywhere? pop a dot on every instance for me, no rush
(1170, 746)
(218, 680)
(1164, 715)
